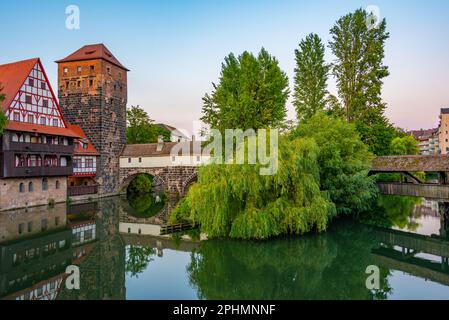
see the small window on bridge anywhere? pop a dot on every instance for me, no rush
(129, 160)
(140, 160)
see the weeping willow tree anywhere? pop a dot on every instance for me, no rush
(235, 201)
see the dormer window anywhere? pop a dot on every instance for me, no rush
(85, 145)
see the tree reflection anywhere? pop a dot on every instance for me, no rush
(146, 206)
(395, 211)
(138, 259)
(326, 266)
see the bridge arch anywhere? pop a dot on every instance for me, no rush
(188, 182)
(127, 176)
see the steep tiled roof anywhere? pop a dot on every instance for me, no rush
(91, 52)
(12, 77)
(90, 150)
(150, 150)
(28, 127)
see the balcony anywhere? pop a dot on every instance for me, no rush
(40, 148)
(37, 172)
(81, 190)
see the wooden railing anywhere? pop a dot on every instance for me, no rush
(174, 228)
(75, 191)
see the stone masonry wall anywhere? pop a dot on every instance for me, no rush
(176, 180)
(12, 198)
(95, 99)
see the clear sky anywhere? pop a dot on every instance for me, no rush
(175, 48)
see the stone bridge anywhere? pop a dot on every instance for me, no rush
(174, 179)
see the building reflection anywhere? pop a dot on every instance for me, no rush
(38, 244)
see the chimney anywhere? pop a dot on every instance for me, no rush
(160, 143)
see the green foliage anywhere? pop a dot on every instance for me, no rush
(359, 71)
(3, 119)
(141, 129)
(236, 201)
(406, 145)
(311, 75)
(141, 184)
(377, 134)
(358, 67)
(137, 259)
(330, 266)
(394, 211)
(344, 162)
(251, 94)
(51, 202)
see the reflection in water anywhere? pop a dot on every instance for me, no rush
(36, 245)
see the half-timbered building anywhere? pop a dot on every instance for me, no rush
(37, 147)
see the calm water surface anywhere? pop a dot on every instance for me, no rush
(406, 238)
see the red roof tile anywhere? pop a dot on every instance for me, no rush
(91, 52)
(12, 77)
(28, 127)
(90, 148)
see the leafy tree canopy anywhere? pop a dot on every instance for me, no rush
(405, 145)
(141, 129)
(141, 184)
(236, 201)
(251, 94)
(322, 170)
(344, 162)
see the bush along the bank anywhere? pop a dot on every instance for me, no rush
(322, 172)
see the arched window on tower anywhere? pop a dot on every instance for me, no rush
(30, 187)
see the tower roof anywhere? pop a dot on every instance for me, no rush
(92, 52)
(12, 77)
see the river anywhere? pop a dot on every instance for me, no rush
(404, 239)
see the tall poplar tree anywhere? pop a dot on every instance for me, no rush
(359, 68)
(311, 75)
(358, 47)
